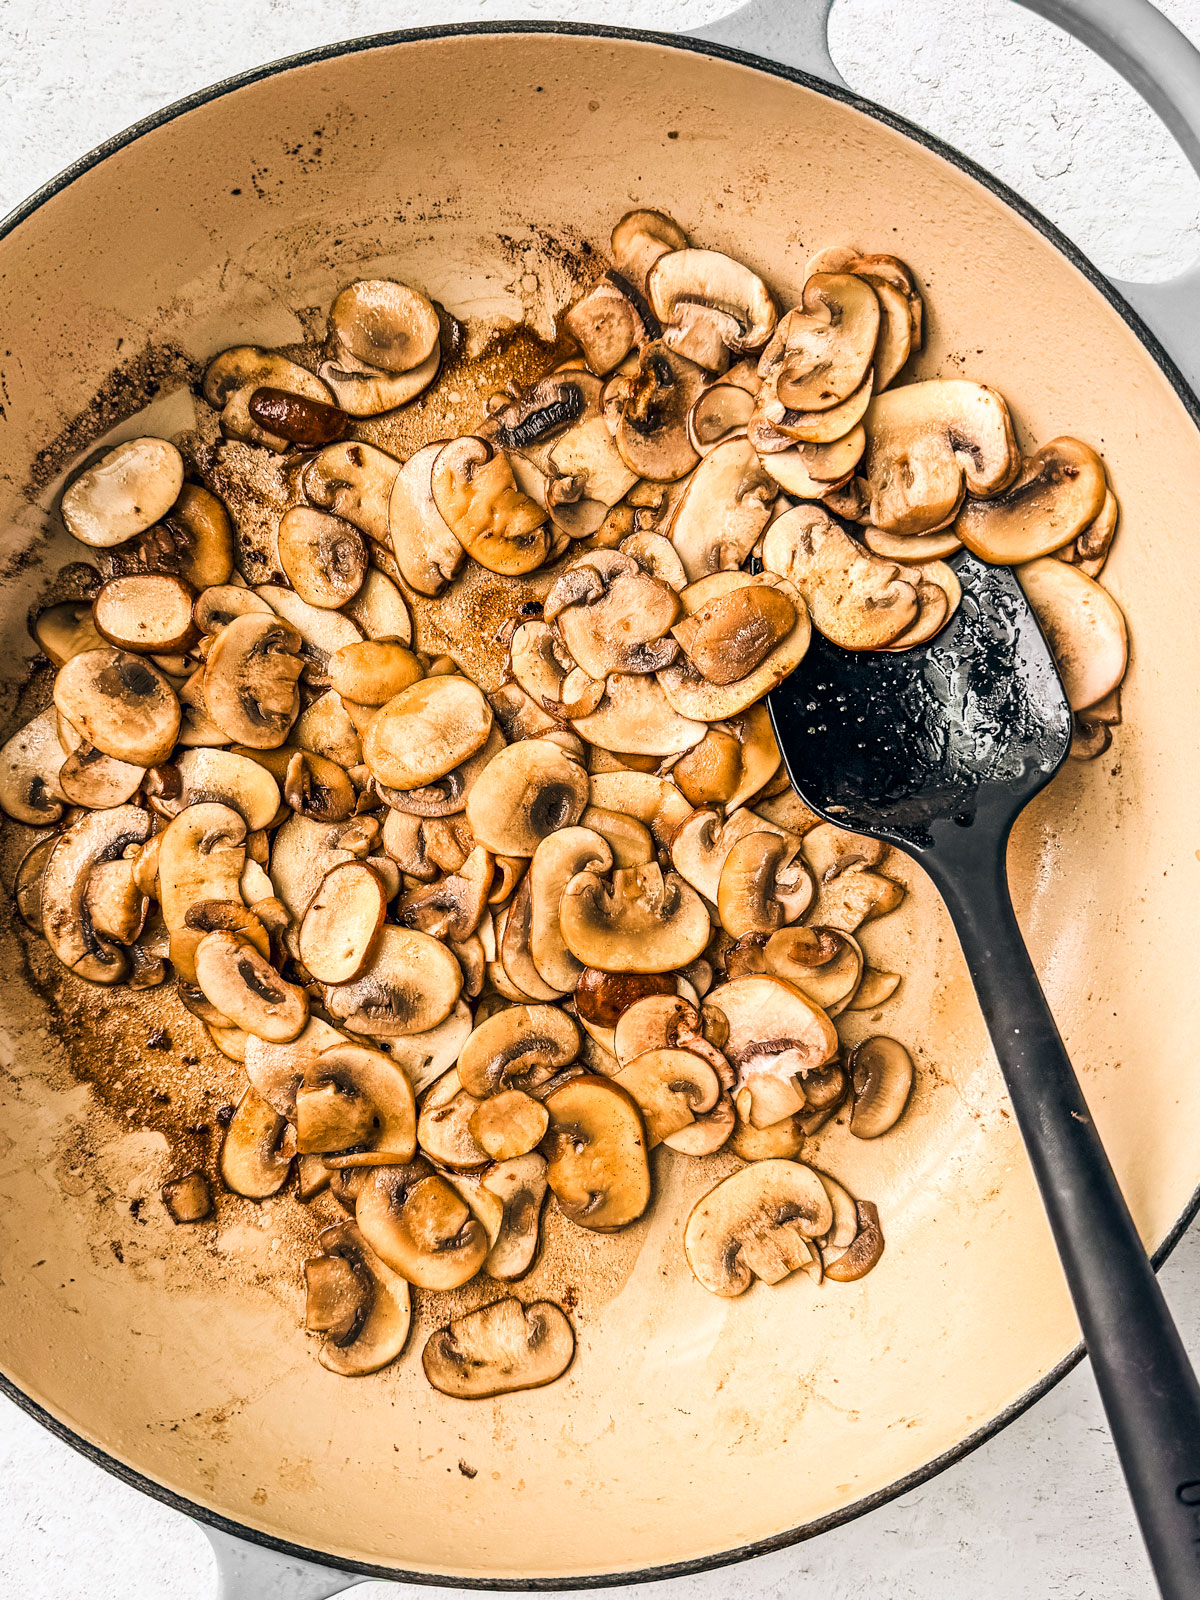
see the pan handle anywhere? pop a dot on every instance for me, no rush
(1133, 36)
(253, 1572)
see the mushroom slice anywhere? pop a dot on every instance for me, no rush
(605, 323)
(370, 672)
(453, 908)
(782, 1140)
(702, 842)
(1089, 550)
(613, 616)
(122, 494)
(510, 1124)
(762, 886)
(410, 985)
(731, 632)
(521, 1047)
(810, 471)
(322, 631)
(629, 841)
(757, 1223)
(771, 1034)
(474, 491)
(896, 333)
(587, 456)
(256, 1155)
(1055, 496)
(147, 612)
(30, 762)
(875, 988)
(27, 887)
(428, 554)
(707, 1133)
(194, 541)
(244, 986)
(500, 1349)
(723, 511)
(325, 728)
(596, 1154)
(709, 304)
(654, 406)
(520, 1186)
(385, 324)
(188, 1199)
(1084, 627)
(639, 921)
(121, 704)
(426, 731)
(231, 779)
(671, 1088)
(864, 1251)
(646, 797)
(557, 859)
(89, 778)
(67, 913)
(720, 411)
(852, 898)
(354, 481)
(340, 926)
(200, 856)
(304, 850)
(426, 1056)
(416, 1222)
(913, 548)
(759, 757)
(445, 797)
(824, 965)
(66, 630)
(856, 600)
(221, 604)
(774, 426)
(640, 238)
(360, 1305)
(601, 998)
(821, 350)
(355, 1108)
(379, 609)
(925, 442)
(881, 1072)
(250, 680)
(539, 663)
(526, 792)
(636, 717)
(234, 376)
(323, 555)
(830, 850)
(364, 391)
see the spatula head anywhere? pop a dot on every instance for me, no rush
(919, 744)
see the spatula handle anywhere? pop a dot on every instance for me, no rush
(1145, 1380)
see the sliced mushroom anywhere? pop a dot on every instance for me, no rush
(863, 1252)
(1089, 550)
(639, 239)
(221, 604)
(613, 616)
(200, 857)
(30, 762)
(586, 458)
(428, 554)
(343, 919)
(830, 850)
(925, 443)
(257, 1152)
(601, 998)
(1084, 627)
(636, 718)
(702, 843)
(453, 908)
(875, 988)
(371, 672)
(325, 728)
(296, 418)
(630, 841)
(655, 403)
(27, 886)
(353, 480)
(757, 1223)
(188, 1199)
(856, 599)
(639, 921)
(322, 631)
(251, 680)
(510, 1124)
(527, 792)
(723, 511)
(66, 630)
(323, 555)
(232, 779)
(596, 1154)
(121, 704)
(605, 323)
(243, 986)
(852, 898)
(759, 756)
(426, 731)
(128, 489)
(557, 859)
(500, 1349)
(304, 850)
(276, 1070)
(236, 374)
(427, 1055)
(762, 886)
(775, 427)
(881, 1072)
(822, 349)
(358, 1303)
(385, 324)
(672, 1088)
(722, 410)
(709, 305)
(771, 1034)
(646, 797)
(733, 634)
(444, 797)
(355, 1108)
(737, 627)
(521, 1047)
(365, 391)
(514, 937)
(90, 778)
(147, 613)
(1056, 495)
(67, 914)
(778, 1141)
(811, 471)
(194, 541)
(474, 491)
(913, 548)
(379, 609)
(824, 965)
(520, 1186)
(416, 1222)
(409, 985)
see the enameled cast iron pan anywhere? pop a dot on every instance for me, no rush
(691, 1430)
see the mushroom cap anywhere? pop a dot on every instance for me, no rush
(347, 1086)
(373, 671)
(500, 1349)
(409, 985)
(121, 704)
(426, 731)
(724, 509)
(526, 792)
(864, 1250)
(1084, 627)
(380, 1324)
(66, 914)
(251, 678)
(639, 921)
(420, 1226)
(1055, 496)
(521, 1047)
(856, 599)
(773, 1033)
(230, 779)
(652, 430)
(612, 615)
(428, 554)
(385, 324)
(122, 494)
(757, 1223)
(596, 1154)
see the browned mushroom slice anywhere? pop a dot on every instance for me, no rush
(500, 1349)
(652, 433)
(782, 1140)
(188, 1199)
(1055, 496)
(821, 350)
(27, 886)
(1089, 550)
(276, 1070)
(30, 762)
(324, 556)
(426, 731)
(428, 554)
(649, 799)
(296, 418)
(1084, 627)
(114, 902)
(243, 986)
(200, 857)
(824, 965)
(863, 1252)
(635, 717)
(605, 323)
(67, 917)
(757, 1223)
(557, 859)
(474, 491)
(629, 840)
(453, 908)
(357, 1302)
(527, 792)
(521, 1047)
(613, 616)
(232, 779)
(596, 1154)
(733, 634)
(762, 886)
(122, 494)
(385, 324)
(234, 376)
(882, 1075)
(520, 1186)
(354, 1107)
(701, 844)
(913, 548)
(723, 511)
(220, 604)
(709, 305)
(147, 613)
(353, 480)
(603, 997)
(371, 672)
(722, 410)
(340, 926)
(257, 1152)
(194, 541)
(409, 985)
(304, 850)
(321, 630)
(119, 703)
(250, 679)
(830, 850)
(672, 1088)
(366, 391)
(66, 630)
(509, 1124)
(325, 728)
(638, 921)
(856, 599)
(875, 988)
(852, 898)
(638, 240)
(90, 778)
(771, 1035)
(421, 1227)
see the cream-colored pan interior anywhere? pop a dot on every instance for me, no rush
(688, 1425)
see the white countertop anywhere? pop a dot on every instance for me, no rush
(1040, 1512)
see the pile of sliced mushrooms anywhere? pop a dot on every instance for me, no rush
(474, 942)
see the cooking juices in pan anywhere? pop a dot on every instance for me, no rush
(478, 933)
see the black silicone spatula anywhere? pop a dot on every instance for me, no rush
(937, 750)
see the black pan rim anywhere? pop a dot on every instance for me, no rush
(1154, 348)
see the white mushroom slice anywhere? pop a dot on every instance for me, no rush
(762, 886)
(121, 704)
(244, 986)
(371, 672)
(1084, 627)
(90, 778)
(721, 411)
(384, 324)
(256, 1155)
(233, 780)
(341, 923)
(874, 989)
(415, 1221)
(586, 453)
(221, 604)
(881, 1071)
(821, 350)
(629, 840)
(724, 509)
(409, 985)
(444, 1126)
(654, 405)
(772, 1033)
(426, 731)
(453, 908)
(356, 1302)
(1089, 550)
(757, 1223)
(651, 800)
(67, 915)
(365, 391)
(557, 859)
(355, 1108)
(539, 662)
(672, 1088)
(428, 554)
(147, 613)
(810, 471)
(510, 1124)
(856, 599)
(606, 324)
(379, 609)
(1056, 495)
(760, 759)
(925, 443)
(426, 1056)
(304, 850)
(707, 301)
(474, 491)
(520, 1186)
(655, 554)
(354, 481)
(830, 850)
(613, 616)
(128, 489)
(596, 1153)
(638, 921)
(639, 239)
(636, 717)
(67, 630)
(521, 1047)
(527, 792)
(324, 556)
(276, 1070)
(500, 1349)
(325, 728)
(236, 374)
(912, 548)
(720, 615)
(30, 762)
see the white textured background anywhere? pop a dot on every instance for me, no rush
(1039, 1513)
